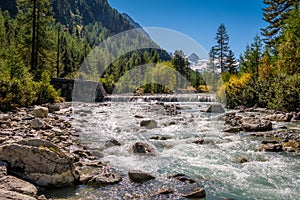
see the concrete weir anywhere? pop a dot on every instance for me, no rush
(161, 98)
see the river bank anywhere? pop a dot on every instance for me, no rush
(58, 133)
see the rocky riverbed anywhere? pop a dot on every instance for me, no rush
(39, 146)
(40, 149)
(266, 124)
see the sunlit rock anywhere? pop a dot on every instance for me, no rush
(139, 176)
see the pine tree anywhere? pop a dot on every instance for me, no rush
(289, 47)
(222, 47)
(181, 65)
(274, 14)
(230, 63)
(36, 36)
(212, 54)
(2, 35)
(250, 61)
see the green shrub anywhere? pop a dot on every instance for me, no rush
(45, 92)
(16, 93)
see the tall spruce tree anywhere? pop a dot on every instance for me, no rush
(222, 47)
(275, 13)
(36, 36)
(251, 59)
(230, 63)
(212, 54)
(289, 47)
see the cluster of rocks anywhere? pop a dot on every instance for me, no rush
(39, 149)
(278, 116)
(165, 108)
(26, 152)
(193, 191)
(40, 146)
(261, 124)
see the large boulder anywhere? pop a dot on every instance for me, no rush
(256, 125)
(40, 112)
(139, 176)
(40, 162)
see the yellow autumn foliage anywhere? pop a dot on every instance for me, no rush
(235, 83)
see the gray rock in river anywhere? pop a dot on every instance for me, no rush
(164, 191)
(270, 147)
(8, 195)
(39, 124)
(104, 179)
(213, 108)
(4, 117)
(111, 143)
(256, 125)
(53, 108)
(139, 176)
(142, 148)
(233, 130)
(150, 124)
(198, 141)
(195, 194)
(40, 162)
(13, 184)
(182, 178)
(40, 112)
(279, 117)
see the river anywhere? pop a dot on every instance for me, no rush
(214, 165)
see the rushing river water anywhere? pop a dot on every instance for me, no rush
(214, 164)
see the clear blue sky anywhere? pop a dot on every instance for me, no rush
(199, 19)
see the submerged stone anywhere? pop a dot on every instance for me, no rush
(150, 124)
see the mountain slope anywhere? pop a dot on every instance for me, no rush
(81, 12)
(135, 24)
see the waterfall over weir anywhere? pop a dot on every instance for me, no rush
(162, 98)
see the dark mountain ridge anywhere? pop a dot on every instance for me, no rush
(81, 12)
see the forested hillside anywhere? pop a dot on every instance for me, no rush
(44, 39)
